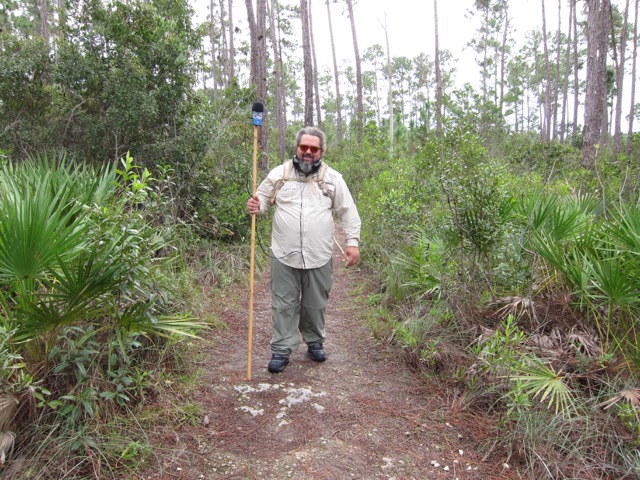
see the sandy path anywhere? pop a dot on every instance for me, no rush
(359, 415)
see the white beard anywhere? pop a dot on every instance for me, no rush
(305, 167)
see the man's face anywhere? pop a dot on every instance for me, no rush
(306, 148)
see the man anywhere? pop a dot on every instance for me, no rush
(306, 193)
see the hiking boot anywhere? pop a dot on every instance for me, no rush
(316, 352)
(277, 363)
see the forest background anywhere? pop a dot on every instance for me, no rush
(501, 215)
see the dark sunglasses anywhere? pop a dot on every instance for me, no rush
(304, 148)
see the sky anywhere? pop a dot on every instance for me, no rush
(410, 24)
(411, 27)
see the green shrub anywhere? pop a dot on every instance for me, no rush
(83, 294)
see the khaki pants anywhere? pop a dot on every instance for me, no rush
(298, 302)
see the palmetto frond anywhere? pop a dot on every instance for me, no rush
(43, 213)
(615, 280)
(8, 406)
(516, 306)
(35, 236)
(7, 440)
(625, 229)
(550, 387)
(630, 397)
(418, 268)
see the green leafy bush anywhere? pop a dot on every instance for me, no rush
(82, 296)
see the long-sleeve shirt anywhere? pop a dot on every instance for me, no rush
(303, 229)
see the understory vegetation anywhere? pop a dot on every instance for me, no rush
(88, 323)
(511, 279)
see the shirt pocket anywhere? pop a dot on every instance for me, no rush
(330, 193)
(290, 192)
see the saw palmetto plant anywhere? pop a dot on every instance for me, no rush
(81, 297)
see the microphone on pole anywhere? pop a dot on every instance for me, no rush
(257, 110)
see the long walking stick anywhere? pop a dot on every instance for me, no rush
(257, 110)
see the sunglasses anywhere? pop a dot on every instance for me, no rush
(304, 148)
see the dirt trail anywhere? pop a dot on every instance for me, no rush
(359, 415)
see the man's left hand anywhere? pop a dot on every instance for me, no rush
(351, 256)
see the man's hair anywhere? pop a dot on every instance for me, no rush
(316, 132)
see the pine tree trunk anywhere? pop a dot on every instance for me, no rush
(576, 79)
(280, 49)
(597, 44)
(253, 35)
(224, 48)
(336, 76)
(279, 90)
(359, 89)
(546, 122)
(377, 87)
(607, 98)
(528, 115)
(632, 111)
(485, 58)
(390, 92)
(438, 72)
(556, 88)
(316, 85)
(261, 23)
(617, 132)
(62, 17)
(214, 63)
(44, 19)
(257, 27)
(565, 80)
(535, 90)
(503, 61)
(232, 52)
(307, 63)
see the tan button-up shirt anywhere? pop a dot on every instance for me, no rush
(302, 232)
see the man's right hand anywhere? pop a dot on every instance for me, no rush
(253, 205)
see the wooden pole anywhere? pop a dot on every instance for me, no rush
(257, 111)
(253, 251)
